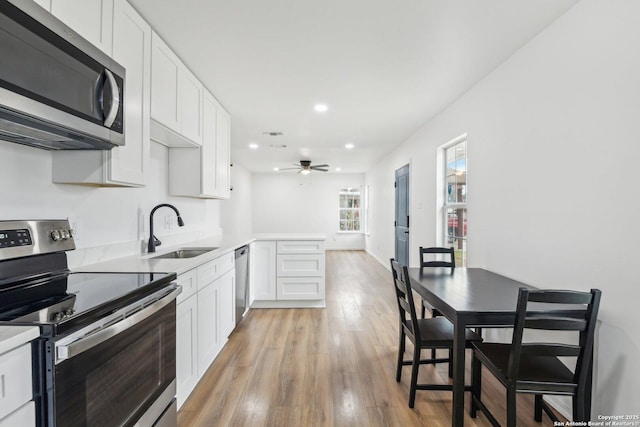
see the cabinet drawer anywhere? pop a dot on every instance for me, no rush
(15, 376)
(226, 262)
(189, 285)
(23, 417)
(300, 288)
(300, 265)
(300, 246)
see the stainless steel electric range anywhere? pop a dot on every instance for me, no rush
(106, 352)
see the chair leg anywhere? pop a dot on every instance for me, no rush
(579, 408)
(476, 384)
(511, 407)
(423, 310)
(537, 409)
(450, 364)
(414, 375)
(401, 348)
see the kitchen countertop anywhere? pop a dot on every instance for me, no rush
(224, 244)
(14, 336)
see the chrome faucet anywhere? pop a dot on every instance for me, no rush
(153, 240)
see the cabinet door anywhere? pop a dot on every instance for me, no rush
(92, 19)
(15, 375)
(23, 417)
(132, 49)
(263, 256)
(190, 90)
(187, 374)
(165, 72)
(223, 161)
(226, 304)
(209, 175)
(208, 340)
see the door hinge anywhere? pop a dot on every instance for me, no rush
(407, 221)
(395, 185)
(394, 224)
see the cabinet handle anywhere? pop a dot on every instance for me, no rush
(3, 390)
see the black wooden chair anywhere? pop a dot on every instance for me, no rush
(427, 256)
(430, 333)
(535, 367)
(425, 253)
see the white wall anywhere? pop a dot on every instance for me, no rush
(104, 216)
(294, 203)
(552, 146)
(235, 213)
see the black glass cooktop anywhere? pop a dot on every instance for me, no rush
(71, 300)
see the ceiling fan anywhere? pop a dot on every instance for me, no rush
(305, 167)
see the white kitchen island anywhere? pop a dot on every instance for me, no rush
(288, 271)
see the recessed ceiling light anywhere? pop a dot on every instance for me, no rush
(349, 146)
(253, 145)
(276, 169)
(321, 108)
(338, 169)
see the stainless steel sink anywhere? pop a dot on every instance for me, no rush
(185, 253)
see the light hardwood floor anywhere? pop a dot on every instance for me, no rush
(329, 367)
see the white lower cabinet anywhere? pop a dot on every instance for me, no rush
(16, 392)
(288, 273)
(23, 417)
(226, 311)
(205, 317)
(208, 340)
(186, 347)
(263, 259)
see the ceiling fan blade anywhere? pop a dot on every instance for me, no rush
(289, 169)
(319, 166)
(320, 170)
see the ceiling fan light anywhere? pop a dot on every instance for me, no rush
(305, 171)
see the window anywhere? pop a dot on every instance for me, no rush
(350, 209)
(365, 203)
(455, 199)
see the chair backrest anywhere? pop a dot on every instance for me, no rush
(437, 263)
(404, 296)
(563, 311)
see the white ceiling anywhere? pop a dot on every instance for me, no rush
(383, 67)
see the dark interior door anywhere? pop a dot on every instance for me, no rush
(402, 215)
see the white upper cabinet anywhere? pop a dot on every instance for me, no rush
(191, 92)
(204, 172)
(126, 165)
(165, 107)
(223, 153)
(176, 99)
(92, 19)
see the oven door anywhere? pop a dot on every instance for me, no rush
(123, 375)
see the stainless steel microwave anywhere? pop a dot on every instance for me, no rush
(57, 90)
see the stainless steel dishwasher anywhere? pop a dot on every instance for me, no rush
(242, 282)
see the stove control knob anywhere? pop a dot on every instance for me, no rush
(65, 234)
(69, 312)
(55, 235)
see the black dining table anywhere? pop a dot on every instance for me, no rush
(468, 297)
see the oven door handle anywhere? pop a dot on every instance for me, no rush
(67, 351)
